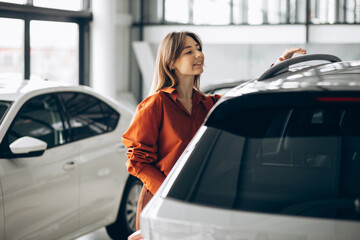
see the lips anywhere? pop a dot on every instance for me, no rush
(199, 63)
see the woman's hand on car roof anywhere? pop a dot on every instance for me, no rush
(289, 52)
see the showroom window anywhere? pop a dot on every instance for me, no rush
(72, 5)
(54, 55)
(12, 48)
(205, 10)
(15, 1)
(46, 39)
(177, 11)
(252, 12)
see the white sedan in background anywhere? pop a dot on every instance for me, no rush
(62, 162)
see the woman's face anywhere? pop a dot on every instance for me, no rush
(191, 60)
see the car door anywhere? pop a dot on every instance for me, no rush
(2, 222)
(92, 122)
(40, 193)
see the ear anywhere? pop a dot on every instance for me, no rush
(172, 65)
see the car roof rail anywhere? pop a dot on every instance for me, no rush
(280, 67)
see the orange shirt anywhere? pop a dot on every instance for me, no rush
(159, 133)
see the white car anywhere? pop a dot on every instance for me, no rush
(62, 162)
(278, 158)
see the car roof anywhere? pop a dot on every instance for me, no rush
(12, 89)
(338, 76)
(227, 83)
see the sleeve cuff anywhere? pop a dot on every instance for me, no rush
(152, 178)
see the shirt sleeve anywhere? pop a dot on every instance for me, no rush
(141, 141)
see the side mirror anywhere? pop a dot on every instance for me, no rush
(28, 147)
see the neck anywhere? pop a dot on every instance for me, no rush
(185, 88)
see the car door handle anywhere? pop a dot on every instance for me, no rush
(69, 165)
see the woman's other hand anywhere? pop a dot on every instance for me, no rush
(289, 52)
(136, 236)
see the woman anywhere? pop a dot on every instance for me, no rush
(166, 121)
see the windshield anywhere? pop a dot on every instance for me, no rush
(4, 106)
(293, 160)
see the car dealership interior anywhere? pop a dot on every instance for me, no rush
(111, 46)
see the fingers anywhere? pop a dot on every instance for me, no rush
(136, 236)
(289, 52)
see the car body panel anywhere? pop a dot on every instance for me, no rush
(35, 192)
(98, 179)
(173, 219)
(2, 214)
(222, 86)
(305, 80)
(46, 201)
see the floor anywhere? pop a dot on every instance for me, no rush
(97, 235)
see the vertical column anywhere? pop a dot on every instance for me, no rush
(191, 11)
(103, 76)
(123, 46)
(110, 46)
(265, 9)
(245, 11)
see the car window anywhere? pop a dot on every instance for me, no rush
(286, 160)
(88, 115)
(4, 106)
(40, 118)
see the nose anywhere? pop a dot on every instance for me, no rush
(199, 54)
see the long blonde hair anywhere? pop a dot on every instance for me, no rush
(169, 50)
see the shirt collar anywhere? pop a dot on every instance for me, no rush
(168, 90)
(197, 97)
(172, 92)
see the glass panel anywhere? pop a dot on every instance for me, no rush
(4, 106)
(301, 14)
(86, 115)
(73, 5)
(255, 12)
(135, 10)
(111, 117)
(294, 161)
(274, 11)
(152, 11)
(11, 48)
(239, 13)
(39, 118)
(177, 11)
(323, 11)
(54, 51)
(352, 11)
(211, 11)
(357, 11)
(15, 1)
